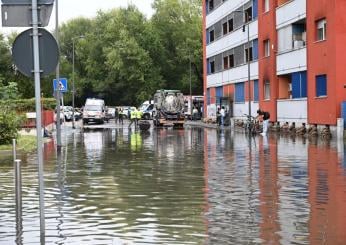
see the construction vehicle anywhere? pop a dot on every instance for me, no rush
(169, 108)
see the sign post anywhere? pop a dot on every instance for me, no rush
(25, 13)
(38, 116)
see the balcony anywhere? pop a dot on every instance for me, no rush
(231, 40)
(291, 61)
(234, 75)
(222, 11)
(290, 12)
(294, 110)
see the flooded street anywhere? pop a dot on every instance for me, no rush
(192, 186)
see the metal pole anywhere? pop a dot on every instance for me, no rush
(248, 65)
(190, 87)
(73, 88)
(58, 126)
(18, 191)
(38, 115)
(14, 151)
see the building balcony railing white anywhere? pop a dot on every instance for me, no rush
(233, 39)
(293, 60)
(292, 110)
(222, 11)
(290, 12)
(234, 75)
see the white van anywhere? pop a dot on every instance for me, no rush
(94, 111)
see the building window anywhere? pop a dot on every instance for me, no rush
(211, 36)
(255, 90)
(230, 25)
(266, 5)
(225, 63)
(266, 90)
(224, 28)
(321, 85)
(248, 54)
(298, 85)
(211, 5)
(248, 14)
(231, 61)
(266, 48)
(212, 67)
(321, 31)
(239, 93)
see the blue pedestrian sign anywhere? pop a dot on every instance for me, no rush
(62, 85)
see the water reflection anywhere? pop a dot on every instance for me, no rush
(192, 186)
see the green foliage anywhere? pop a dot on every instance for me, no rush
(26, 105)
(9, 125)
(123, 57)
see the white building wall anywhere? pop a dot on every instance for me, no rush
(239, 109)
(290, 12)
(294, 110)
(291, 61)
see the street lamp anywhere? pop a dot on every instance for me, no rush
(73, 87)
(247, 18)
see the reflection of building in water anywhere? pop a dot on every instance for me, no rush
(94, 145)
(327, 196)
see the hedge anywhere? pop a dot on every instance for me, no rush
(9, 125)
(27, 105)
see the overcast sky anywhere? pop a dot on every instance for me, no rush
(69, 9)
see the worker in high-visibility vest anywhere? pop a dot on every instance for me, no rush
(133, 117)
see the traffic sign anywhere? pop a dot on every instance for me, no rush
(22, 52)
(62, 85)
(18, 13)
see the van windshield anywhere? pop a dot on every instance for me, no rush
(93, 108)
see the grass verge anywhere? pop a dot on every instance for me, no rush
(25, 143)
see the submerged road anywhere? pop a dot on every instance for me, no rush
(185, 186)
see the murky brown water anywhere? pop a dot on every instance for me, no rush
(192, 186)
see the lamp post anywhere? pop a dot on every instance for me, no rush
(73, 86)
(247, 19)
(191, 104)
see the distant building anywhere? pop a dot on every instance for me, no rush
(297, 57)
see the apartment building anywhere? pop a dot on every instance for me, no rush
(292, 50)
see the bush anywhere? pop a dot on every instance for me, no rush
(27, 105)
(9, 125)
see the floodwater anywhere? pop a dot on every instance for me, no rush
(192, 186)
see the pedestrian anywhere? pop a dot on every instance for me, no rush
(120, 115)
(139, 115)
(223, 115)
(265, 117)
(116, 115)
(194, 114)
(218, 116)
(133, 117)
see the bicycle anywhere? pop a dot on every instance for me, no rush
(251, 125)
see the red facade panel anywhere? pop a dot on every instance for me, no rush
(321, 60)
(267, 65)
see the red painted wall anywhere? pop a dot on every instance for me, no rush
(228, 91)
(267, 65)
(340, 29)
(321, 59)
(212, 95)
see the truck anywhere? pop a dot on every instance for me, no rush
(94, 111)
(169, 108)
(147, 108)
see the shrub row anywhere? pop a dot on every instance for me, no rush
(27, 105)
(10, 122)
